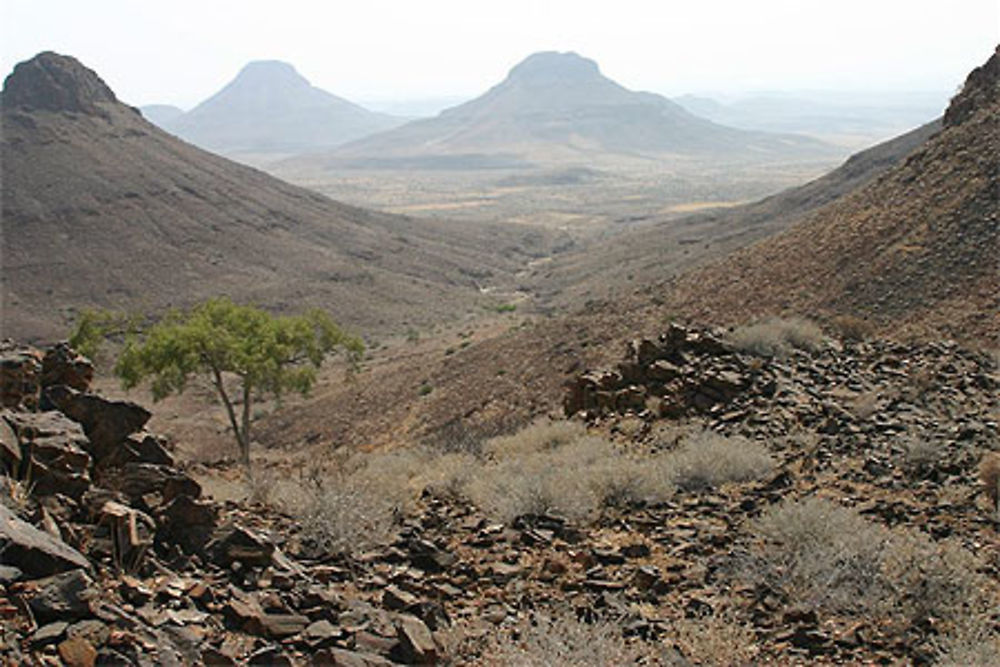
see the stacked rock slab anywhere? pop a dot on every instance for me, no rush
(682, 372)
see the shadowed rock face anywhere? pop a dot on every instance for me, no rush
(981, 89)
(53, 82)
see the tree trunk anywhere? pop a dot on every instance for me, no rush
(246, 422)
(242, 438)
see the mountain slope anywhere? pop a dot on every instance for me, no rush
(101, 208)
(917, 249)
(912, 244)
(269, 107)
(560, 103)
(663, 247)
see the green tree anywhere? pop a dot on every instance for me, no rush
(269, 354)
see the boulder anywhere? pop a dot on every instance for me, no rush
(131, 534)
(10, 449)
(187, 522)
(106, 423)
(62, 365)
(416, 643)
(54, 452)
(61, 597)
(140, 447)
(136, 480)
(20, 375)
(78, 652)
(236, 543)
(33, 551)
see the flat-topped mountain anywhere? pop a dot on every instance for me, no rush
(555, 104)
(101, 208)
(270, 108)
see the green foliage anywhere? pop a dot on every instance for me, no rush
(94, 326)
(268, 354)
(506, 308)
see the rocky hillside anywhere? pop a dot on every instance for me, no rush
(915, 250)
(660, 247)
(820, 507)
(271, 108)
(559, 105)
(101, 208)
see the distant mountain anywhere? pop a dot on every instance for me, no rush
(846, 118)
(271, 108)
(103, 209)
(912, 251)
(559, 103)
(161, 114)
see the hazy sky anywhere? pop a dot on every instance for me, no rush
(181, 51)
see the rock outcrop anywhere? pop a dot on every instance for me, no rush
(160, 574)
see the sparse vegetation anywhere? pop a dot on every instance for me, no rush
(506, 308)
(989, 475)
(827, 556)
(565, 641)
(267, 354)
(777, 337)
(852, 329)
(342, 515)
(714, 639)
(707, 459)
(556, 467)
(920, 454)
(820, 553)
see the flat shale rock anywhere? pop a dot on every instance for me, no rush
(35, 552)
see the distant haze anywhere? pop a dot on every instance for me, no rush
(182, 52)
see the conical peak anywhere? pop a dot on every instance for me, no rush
(54, 82)
(554, 67)
(270, 71)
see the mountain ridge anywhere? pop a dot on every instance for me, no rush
(560, 102)
(106, 210)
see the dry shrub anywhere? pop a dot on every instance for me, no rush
(715, 640)
(707, 460)
(989, 475)
(356, 506)
(776, 337)
(558, 468)
(260, 486)
(342, 515)
(830, 557)
(865, 405)
(920, 454)
(928, 579)
(449, 475)
(538, 437)
(852, 329)
(821, 554)
(538, 483)
(974, 643)
(464, 436)
(565, 641)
